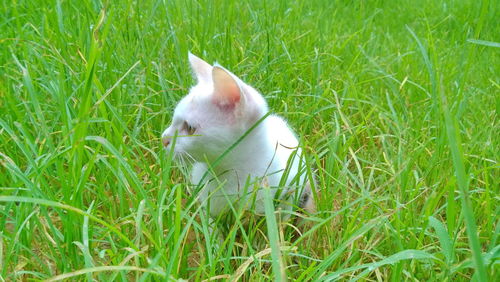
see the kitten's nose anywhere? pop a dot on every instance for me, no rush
(165, 141)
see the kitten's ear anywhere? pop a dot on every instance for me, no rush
(227, 92)
(201, 69)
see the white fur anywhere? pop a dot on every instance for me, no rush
(223, 108)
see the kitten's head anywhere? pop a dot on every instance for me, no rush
(217, 111)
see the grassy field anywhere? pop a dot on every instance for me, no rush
(396, 104)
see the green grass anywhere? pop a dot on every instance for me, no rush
(396, 104)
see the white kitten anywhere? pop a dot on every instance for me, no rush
(218, 111)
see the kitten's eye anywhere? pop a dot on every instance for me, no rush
(188, 128)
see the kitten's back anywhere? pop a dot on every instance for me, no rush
(281, 132)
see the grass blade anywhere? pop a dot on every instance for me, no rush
(273, 237)
(484, 43)
(444, 239)
(369, 267)
(454, 144)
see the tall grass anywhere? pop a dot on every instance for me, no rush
(395, 104)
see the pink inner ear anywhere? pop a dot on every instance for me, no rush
(227, 93)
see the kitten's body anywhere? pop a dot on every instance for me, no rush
(263, 156)
(216, 113)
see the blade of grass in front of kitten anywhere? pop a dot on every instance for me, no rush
(273, 237)
(454, 144)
